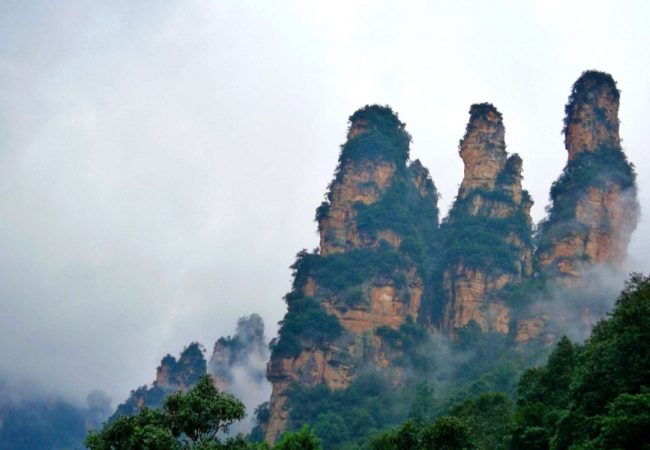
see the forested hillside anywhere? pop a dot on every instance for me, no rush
(594, 395)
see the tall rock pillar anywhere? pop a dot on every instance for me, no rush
(594, 202)
(370, 276)
(487, 235)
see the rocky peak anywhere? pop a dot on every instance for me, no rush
(368, 280)
(483, 148)
(237, 365)
(591, 120)
(386, 270)
(594, 206)
(377, 145)
(488, 232)
(245, 349)
(172, 375)
(165, 371)
(184, 372)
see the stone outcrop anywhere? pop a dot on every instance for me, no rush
(591, 120)
(172, 375)
(246, 349)
(487, 234)
(361, 230)
(594, 206)
(385, 265)
(482, 149)
(358, 182)
(237, 363)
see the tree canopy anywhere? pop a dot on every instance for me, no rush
(196, 419)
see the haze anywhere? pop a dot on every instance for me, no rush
(160, 162)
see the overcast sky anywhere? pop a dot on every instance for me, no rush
(160, 162)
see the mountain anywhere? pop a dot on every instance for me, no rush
(488, 234)
(237, 365)
(375, 270)
(30, 420)
(389, 276)
(400, 315)
(594, 206)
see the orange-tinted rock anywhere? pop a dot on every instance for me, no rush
(529, 329)
(379, 301)
(491, 190)
(386, 307)
(603, 212)
(483, 148)
(362, 182)
(592, 114)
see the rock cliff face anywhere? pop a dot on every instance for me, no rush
(488, 231)
(385, 268)
(379, 219)
(594, 206)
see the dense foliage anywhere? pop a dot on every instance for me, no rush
(589, 82)
(193, 419)
(478, 239)
(347, 416)
(305, 439)
(487, 417)
(186, 371)
(384, 137)
(593, 395)
(306, 324)
(446, 433)
(603, 168)
(442, 377)
(402, 209)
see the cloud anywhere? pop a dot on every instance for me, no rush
(160, 164)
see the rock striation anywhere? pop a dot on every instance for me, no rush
(387, 276)
(594, 202)
(487, 235)
(385, 266)
(378, 221)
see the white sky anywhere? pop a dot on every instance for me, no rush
(160, 162)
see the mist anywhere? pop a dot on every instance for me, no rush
(160, 163)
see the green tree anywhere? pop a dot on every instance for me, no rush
(594, 396)
(447, 433)
(202, 412)
(423, 402)
(627, 422)
(146, 431)
(488, 417)
(191, 419)
(305, 439)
